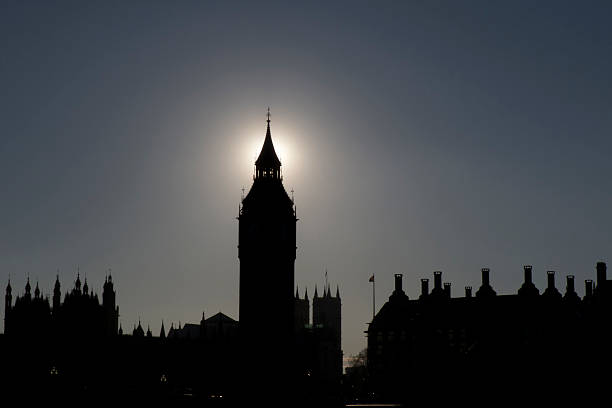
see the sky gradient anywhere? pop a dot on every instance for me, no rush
(418, 136)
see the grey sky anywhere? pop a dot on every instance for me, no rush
(417, 136)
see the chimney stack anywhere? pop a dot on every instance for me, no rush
(570, 284)
(424, 287)
(588, 288)
(551, 279)
(468, 291)
(527, 269)
(398, 282)
(437, 280)
(485, 276)
(447, 289)
(601, 274)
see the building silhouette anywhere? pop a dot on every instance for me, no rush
(275, 348)
(319, 344)
(80, 315)
(267, 250)
(518, 344)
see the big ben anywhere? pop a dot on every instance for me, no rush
(266, 250)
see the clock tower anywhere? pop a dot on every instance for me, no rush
(266, 250)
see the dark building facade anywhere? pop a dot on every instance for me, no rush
(484, 344)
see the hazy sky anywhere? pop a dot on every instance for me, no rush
(417, 136)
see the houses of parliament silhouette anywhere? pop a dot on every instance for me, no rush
(483, 343)
(274, 346)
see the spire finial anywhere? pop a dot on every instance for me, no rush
(268, 115)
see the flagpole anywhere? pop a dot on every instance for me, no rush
(373, 297)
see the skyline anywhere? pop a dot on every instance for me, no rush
(418, 138)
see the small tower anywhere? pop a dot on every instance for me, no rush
(326, 321)
(57, 296)
(28, 288)
(326, 312)
(36, 291)
(8, 304)
(77, 284)
(302, 310)
(162, 332)
(138, 331)
(111, 310)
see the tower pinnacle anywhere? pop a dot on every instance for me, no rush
(267, 164)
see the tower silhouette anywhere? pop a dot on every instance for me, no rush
(111, 310)
(266, 250)
(302, 310)
(8, 304)
(326, 312)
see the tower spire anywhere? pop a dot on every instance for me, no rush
(267, 164)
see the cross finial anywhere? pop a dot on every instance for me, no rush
(268, 115)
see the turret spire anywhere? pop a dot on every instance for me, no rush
(162, 332)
